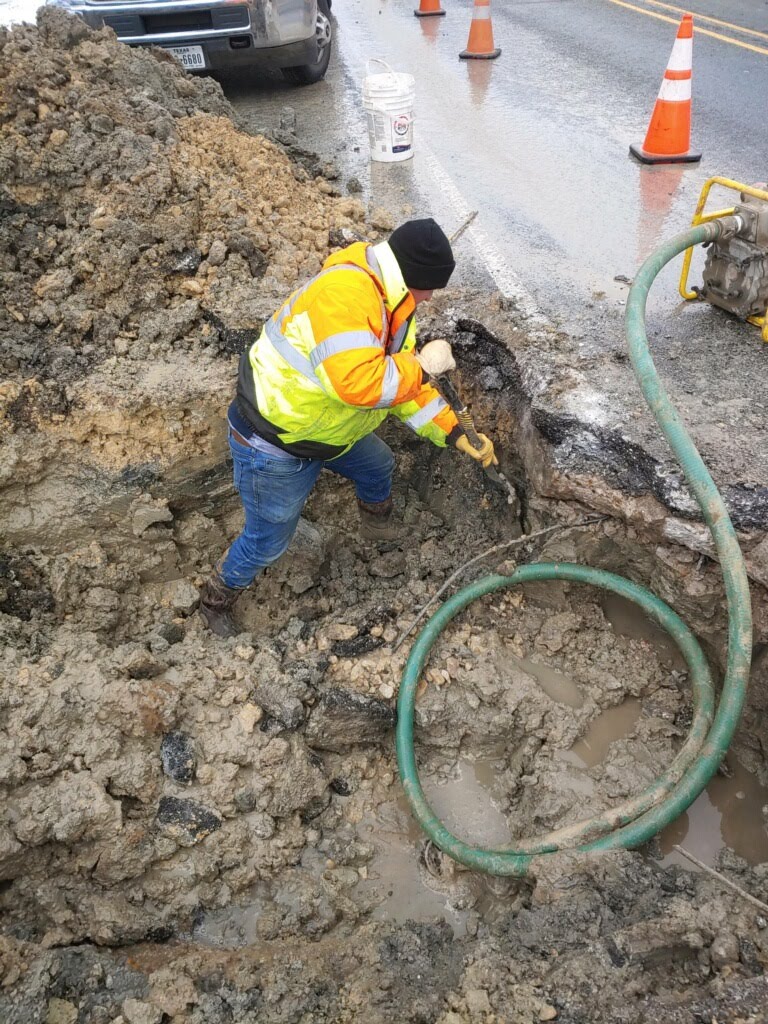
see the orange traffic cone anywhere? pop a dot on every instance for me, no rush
(480, 43)
(429, 9)
(668, 139)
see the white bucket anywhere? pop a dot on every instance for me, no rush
(388, 101)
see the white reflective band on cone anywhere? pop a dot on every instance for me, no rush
(675, 89)
(682, 56)
(481, 14)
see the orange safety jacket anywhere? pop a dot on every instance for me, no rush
(336, 359)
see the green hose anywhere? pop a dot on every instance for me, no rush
(640, 817)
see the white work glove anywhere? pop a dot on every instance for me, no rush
(436, 358)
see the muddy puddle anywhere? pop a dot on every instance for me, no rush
(611, 725)
(730, 812)
(409, 877)
(628, 620)
(733, 809)
(559, 687)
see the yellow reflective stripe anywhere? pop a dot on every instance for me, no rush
(390, 385)
(284, 348)
(423, 416)
(343, 342)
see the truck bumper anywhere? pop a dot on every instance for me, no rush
(276, 34)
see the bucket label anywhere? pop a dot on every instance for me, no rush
(401, 132)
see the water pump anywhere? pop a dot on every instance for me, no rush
(735, 276)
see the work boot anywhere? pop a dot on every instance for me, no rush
(216, 603)
(376, 521)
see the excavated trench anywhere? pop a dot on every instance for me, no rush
(213, 831)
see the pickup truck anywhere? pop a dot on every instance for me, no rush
(220, 35)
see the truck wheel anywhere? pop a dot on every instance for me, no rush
(308, 74)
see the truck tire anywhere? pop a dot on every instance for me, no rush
(308, 74)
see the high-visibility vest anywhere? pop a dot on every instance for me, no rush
(336, 359)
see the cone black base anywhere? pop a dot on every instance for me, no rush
(466, 55)
(659, 158)
(428, 14)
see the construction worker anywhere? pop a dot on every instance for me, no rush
(331, 364)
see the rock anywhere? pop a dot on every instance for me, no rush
(187, 262)
(147, 514)
(102, 124)
(136, 1011)
(283, 711)
(315, 807)
(186, 821)
(340, 238)
(246, 799)
(54, 284)
(249, 715)
(342, 719)
(358, 645)
(181, 596)
(262, 825)
(477, 1001)
(139, 663)
(257, 261)
(300, 565)
(340, 631)
(288, 120)
(275, 693)
(61, 1012)
(73, 807)
(382, 220)
(172, 991)
(171, 632)
(217, 253)
(389, 565)
(300, 786)
(724, 950)
(178, 755)
(191, 287)
(547, 1012)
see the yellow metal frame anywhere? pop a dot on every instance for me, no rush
(700, 217)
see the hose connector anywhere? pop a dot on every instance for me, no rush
(727, 227)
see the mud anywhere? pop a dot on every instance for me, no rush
(197, 830)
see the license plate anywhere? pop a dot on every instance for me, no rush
(189, 56)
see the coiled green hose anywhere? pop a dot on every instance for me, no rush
(639, 818)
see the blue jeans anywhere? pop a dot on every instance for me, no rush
(274, 490)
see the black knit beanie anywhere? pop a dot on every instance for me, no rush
(423, 254)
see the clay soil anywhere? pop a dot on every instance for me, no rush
(213, 832)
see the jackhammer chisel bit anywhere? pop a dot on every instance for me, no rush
(452, 397)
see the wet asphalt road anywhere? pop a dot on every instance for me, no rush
(537, 141)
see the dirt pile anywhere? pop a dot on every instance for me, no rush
(233, 806)
(131, 213)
